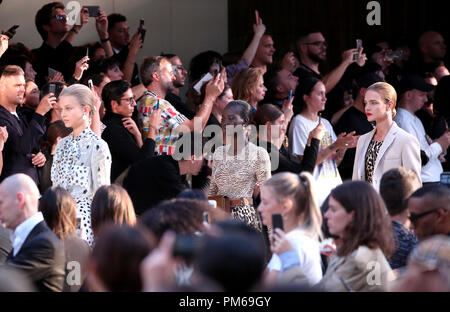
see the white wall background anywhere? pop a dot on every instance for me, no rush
(183, 27)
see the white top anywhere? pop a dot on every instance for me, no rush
(326, 174)
(309, 256)
(22, 231)
(431, 172)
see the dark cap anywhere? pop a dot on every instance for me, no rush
(414, 82)
(368, 79)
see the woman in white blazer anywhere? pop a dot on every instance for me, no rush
(387, 146)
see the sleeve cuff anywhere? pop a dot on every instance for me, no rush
(289, 259)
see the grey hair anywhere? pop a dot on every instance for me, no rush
(82, 94)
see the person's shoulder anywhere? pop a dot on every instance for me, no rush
(402, 136)
(43, 237)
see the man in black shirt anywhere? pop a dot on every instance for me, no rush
(355, 119)
(279, 83)
(121, 133)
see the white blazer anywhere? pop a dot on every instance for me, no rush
(399, 148)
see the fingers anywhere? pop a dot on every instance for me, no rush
(258, 20)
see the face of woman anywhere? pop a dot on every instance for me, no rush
(317, 99)
(115, 73)
(374, 106)
(260, 90)
(224, 100)
(337, 217)
(268, 205)
(71, 112)
(30, 74)
(280, 125)
(31, 95)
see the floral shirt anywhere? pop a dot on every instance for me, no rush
(171, 119)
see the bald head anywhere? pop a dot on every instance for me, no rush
(19, 199)
(432, 46)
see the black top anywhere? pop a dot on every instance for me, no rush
(23, 139)
(179, 105)
(303, 72)
(121, 57)
(122, 145)
(352, 120)
(42, 258)
(153, 180)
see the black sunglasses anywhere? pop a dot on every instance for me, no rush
(414, 217)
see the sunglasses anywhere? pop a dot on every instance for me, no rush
(414, 217)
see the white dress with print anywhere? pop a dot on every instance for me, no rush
(81, 165)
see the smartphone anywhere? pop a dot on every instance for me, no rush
(185, 246)
(157, 105)
(290, 95)
(206, 78)
(12, 31)
(52, 89)
(141, 29)
(394, 55)
(90, 84)
(445, 179)
(320, 117)
(206, 217)
(277, 221)
(94, 10)
(358, 47)
(87, 51)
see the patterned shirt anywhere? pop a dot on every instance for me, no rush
(171, 119)
(371, 158)
(405, 241)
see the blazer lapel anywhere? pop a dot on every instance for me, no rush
(362, 158)
(386, 143)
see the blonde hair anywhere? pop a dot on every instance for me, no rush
(299, 188)
(245, 82)
(82, 94)
(387, 93)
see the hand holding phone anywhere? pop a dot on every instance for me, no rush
(90, 84)
(358, 47)
(94, 10)
(11, 32)
(277, 221)
(141, 29)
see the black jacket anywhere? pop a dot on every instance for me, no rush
(23, 140)
(42, 258)
(122, 145)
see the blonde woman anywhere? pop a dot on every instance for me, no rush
(291, 196)
(248, 86)
(387, 146)
(82, 161)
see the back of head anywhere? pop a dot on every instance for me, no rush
(114, 91)
(304, 88)
(234, 259)
(266, 113)
(54, 130)
(371, 225)
(245, 82)
(201, 64)
(435, 196)
(44, 15)
(23, 184)
(298, 188)
(117, 256)
(395, 188)
(271, 81)
(111, 205)
(60, 211)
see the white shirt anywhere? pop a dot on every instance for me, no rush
(309, 256)
(21, 232)
(431, 172)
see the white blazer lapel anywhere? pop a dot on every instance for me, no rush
(362, 155)
(386, 143)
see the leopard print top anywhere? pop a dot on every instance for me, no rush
(371, 158)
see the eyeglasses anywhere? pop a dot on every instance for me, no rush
(60, 17)
(130, 100)
(414, 217)
(318, 43)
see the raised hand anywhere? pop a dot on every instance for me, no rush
(80, 67)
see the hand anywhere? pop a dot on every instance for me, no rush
(57, 78)
(328, 250)
(3, 137)
(279, 242)
(38, 159)
(154, 121)
(288, 109)
(46, 104)
(258, 28)
(158, 267)
(80, 67)
(347, 56)
(345, 141)
(135, 44)
(101, 24)
(317, 133)
(290, 62)
(256, 190)
(131, 126)
(215, 86)
(84, 17)
(362, 58)
(3, 44)
(444, 141)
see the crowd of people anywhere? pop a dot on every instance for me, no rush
(267, 175)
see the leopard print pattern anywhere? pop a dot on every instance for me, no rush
(371, 158)
(247, 214)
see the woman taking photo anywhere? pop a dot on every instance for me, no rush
(311, 94)
(82, 161)
(239, 166)
(365, 239)
(291, 196)
(387, 146)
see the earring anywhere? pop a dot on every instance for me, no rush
(84, 117)
(389, 112)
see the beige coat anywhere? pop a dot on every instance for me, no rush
(399, 148)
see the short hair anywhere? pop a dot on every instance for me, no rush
(60, 211)
(118, 254)
(436, 196)
(149, 66)
(12, 70)
(115, 18)
(44, 15)
(304, 33)
(242, 108)
(387, 93)
(19, 60)
(114, 91)
(168, 55)
(266, 113)
(395, 188)
(201, 63)
(106, 64)
(271, 80)
(82, 94)
(54, 130)
(371, 225)
(245, 82)
(97, 79)
(111, 205)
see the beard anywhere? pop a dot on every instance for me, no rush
(168, 86)
(315, 58)
(178, 84)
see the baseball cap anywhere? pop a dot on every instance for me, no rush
(368, 79)
(413, 82)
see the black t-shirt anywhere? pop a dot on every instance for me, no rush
(304, 72)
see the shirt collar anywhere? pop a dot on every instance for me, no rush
(23, 230)
(83, 134)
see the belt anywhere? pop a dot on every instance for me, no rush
(240, 201)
